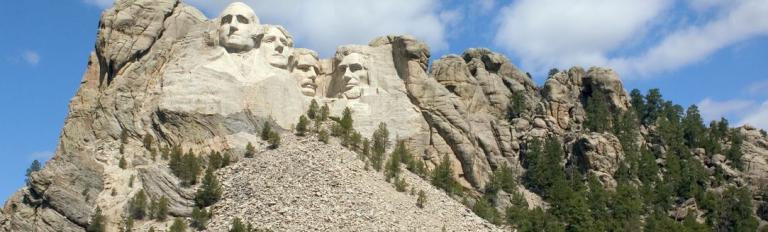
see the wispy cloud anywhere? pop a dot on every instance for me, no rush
(757, 118)
(563, 33)
(758, 88)
(714, 110)
(103, 4)
(40, 156)
(31, 57)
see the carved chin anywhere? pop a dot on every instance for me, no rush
(353, 93)
(237, 46)
(309, 92)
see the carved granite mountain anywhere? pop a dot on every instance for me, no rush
(162, 70)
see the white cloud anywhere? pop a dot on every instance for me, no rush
(41, 156)
(486, 5)
(323, 25)
(714, 110)
(547, 33)
(563, 33)
(757, 118)
(758, 87)
(31, 57)
(689, 45)
(103, 4)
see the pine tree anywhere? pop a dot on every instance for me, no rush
(226, 160)
(380, 141)
(301, 127)
(162, 209)
(734, 153)
(324, 113)
(400, 184)
(598, 114)
(354, 141)
(190, 169)
(123, 140)
(178, 226)
(238, 226)
(128, 224)
(693, 127)
(442, 177)
(138, 205)
(266, 130)
(736, 214)
(175, 160)
(34, 167)
(485, 210)
(346, 122)
(653, 101)
(199, 218)
(552, 72)
(392, 169)
(215, 160)
(366, 148)
(323, 136)
(97, 223)
(314, 110)
(544, 168)
(422, 199)
(147, 141)
(210, 191)
(274, 140)
(122, 163)
(638, 103)
(516, 106)
(250, 151)
(501, 179)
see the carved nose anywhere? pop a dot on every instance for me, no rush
(232, 29)
(279, 49)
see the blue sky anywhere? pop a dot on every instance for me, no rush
(707, 52)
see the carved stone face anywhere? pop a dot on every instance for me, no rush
(355, 75)
(305, 72)
(238, 27)
(275, 45)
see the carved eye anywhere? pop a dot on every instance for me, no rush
(226, 19)
(343, 67)
(355, 67)
(305, 68)
(269, 39)
(242, 19)
(284, 41)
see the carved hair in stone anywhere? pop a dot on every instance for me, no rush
(238, 28)
(352, 71)
(304, 68)
(276, 44)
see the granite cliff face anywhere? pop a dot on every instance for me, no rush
(162, 70)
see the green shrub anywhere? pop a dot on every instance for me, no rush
(323, 136)
(301, 127)
(199, 218)
(250, 151)
(97, 223)
(422, 199)
(274, 140)
(138, 205)
(210, 191)
(178, 226)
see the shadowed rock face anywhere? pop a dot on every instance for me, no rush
(162, 70)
